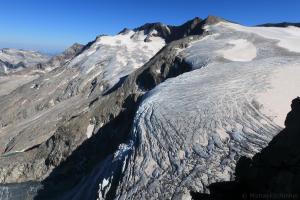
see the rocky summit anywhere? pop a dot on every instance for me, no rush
(154, 112)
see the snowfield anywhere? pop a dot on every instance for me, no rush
(283, 87)
(118, 56)
(242, 50)
(288, 37)
(191, 129)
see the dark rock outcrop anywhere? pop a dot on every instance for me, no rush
(172, 33)
(282, 24)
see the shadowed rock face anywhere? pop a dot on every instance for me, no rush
(273, 173)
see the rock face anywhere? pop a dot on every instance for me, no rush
(15, 60)
(171, 33)
(63, 58)
(272, 173)
(150, 113)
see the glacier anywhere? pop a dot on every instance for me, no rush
(190, 130)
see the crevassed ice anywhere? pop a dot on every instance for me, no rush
(194, 127)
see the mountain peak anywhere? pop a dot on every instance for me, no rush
(148, 27)
(171, 33)
(124, 31)
(74, 46)
(212, 20)
(194, 21)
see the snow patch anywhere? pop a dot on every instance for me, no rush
(90, 130)
(119, 55)
(284, 87)
(105, 182)
(242, 51)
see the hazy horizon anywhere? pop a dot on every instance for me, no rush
(51, 26)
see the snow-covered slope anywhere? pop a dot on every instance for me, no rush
(191, 129)
(288, 37)
(14, 59)
(118, 56)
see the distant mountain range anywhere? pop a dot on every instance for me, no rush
(14, 60)
(282, 24)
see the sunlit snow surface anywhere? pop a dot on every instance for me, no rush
(288, 37)
(192, 129)
(117, 56)
(242, 50)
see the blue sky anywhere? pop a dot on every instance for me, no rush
(52, 25)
